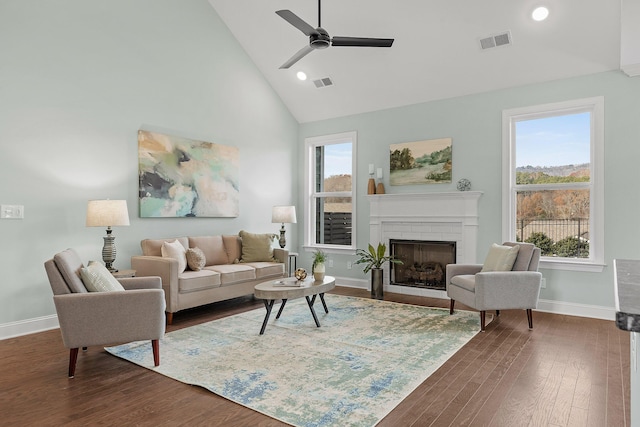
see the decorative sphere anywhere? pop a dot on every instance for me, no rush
(464, 185)
(300, 274)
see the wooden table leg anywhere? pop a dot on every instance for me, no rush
(268, 304)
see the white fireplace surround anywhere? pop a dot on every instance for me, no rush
(445, 216)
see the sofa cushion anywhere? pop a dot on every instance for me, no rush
(233, 273)
(97, 278)
(213, 248)
(176, 251)
(191, 281)
(153, 247)
(465, 281)
(233, 246)
(267, 269)
(69, 265)
(196, 259)
(500, 258)
(256, 247)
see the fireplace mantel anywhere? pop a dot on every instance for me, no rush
(443, 216)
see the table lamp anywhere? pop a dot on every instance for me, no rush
(283, 214)
(107, 213)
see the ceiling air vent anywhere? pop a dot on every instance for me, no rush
(496, 40)
(323, 82)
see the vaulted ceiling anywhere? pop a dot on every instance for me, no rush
(436, 53)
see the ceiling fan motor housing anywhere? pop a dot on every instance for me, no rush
(320, 40)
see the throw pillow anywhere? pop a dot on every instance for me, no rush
(500, 258)
(256, 247)
(195, 259)
(97, 278)
(176, 251)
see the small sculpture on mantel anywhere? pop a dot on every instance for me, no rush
(464, 185)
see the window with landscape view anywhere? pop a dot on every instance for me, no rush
(330, 211)
(553, 191)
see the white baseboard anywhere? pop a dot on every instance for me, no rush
(575, 309)
(29, 326)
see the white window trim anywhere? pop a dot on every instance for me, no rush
(595, 105)
(309, 191)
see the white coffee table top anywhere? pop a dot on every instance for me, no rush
(274, 289)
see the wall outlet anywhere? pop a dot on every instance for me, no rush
(11, 211)
(330, 263)
(348, 265)
(543, 283)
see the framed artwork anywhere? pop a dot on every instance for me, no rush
(420, 162)
(180, 177)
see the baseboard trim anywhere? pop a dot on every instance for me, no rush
(575, 309)
(29, 326)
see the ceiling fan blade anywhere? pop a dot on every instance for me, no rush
(361, 41)
(296, 21)
(297, 57)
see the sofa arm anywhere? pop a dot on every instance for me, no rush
(150, 282)
(97, 318)
(460, 269)
(166, 269)
(281, 255)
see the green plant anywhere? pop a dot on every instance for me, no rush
(319, 257)
(542, 241)
(375, 258)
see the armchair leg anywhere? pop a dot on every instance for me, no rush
(497, 313)
(530, 317)
(169, 318)
(483, 315)
(451, 306)
(73, 358)
(155, 345)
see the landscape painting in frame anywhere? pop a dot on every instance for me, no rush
(181, 177)
(420, 162)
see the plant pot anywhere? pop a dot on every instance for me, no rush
(318, 272)
(376, 283)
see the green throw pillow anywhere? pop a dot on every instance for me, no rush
(256, 247)
(97, 278)
(500, 258)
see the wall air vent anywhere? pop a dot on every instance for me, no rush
(496, 40)
(324, 82)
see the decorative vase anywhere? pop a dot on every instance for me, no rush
(376, 283)
(380, 188)
(318, 272)
(371, 188)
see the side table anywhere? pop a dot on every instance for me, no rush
(293, 256)
(124, 273)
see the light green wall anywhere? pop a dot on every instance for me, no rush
(78, 79)
(475, 124)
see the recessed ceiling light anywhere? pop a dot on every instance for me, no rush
(302, 75)
(540, 13)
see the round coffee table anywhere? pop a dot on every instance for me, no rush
(273, 290)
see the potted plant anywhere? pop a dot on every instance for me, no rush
(373, 259)
(318, 268)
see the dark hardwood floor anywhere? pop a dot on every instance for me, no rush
(568, 371)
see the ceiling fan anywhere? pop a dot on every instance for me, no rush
(320, 39)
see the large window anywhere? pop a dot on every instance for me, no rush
(329, 191)
(553, 157)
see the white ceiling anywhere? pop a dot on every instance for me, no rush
(436, 52)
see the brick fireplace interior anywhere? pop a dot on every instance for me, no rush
(423, 262)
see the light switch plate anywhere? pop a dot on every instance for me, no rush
(11, 211)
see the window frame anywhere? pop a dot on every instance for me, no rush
(595, 106)
(310, 195)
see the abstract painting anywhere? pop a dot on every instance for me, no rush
(181, 177)
(420, 162)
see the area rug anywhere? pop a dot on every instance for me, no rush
(367, 356)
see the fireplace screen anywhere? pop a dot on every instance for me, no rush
(423, 262)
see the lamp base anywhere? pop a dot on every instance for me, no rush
(282, 241)
(109, 251)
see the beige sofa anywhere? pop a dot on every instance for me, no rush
(225, 274)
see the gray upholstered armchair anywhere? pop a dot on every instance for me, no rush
(98, 318)
(498, 290)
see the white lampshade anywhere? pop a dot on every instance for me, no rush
(107, 213)
(284, 214)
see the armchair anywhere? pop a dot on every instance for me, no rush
(98, 318)
(497, 290)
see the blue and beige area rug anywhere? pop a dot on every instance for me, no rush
(366, 357)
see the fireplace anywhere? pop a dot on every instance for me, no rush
(423, 262)
(446, 218)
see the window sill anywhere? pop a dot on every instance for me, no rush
(571, 265)
(331, 249)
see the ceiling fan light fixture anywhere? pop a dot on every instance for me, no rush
(540, 13)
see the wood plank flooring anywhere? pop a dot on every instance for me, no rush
(568, 371)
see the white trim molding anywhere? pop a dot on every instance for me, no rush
(29, 326)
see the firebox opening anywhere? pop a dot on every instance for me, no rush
(423, 263)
